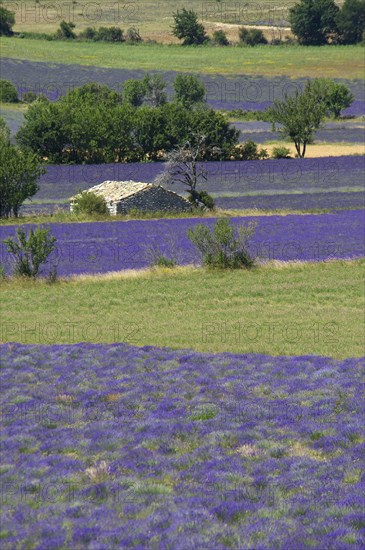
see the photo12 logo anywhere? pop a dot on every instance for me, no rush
(49, 13)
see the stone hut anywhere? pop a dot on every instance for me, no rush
(123, 196)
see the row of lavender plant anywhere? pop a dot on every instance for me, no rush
(111, 246)
(124, 447)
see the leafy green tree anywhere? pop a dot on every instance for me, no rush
(220, 137)
(31, 250)
(335, 97)
(8, 92)
(300, 116)
(45, 130)
(313, 22)
(66, 31)
(92, 93)
(187, 28)
(19, 174)
(7, 21)
(189, 90)
(134, 92)
(351, 21)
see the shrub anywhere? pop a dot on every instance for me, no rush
(65, 32)
(8, 92)
(202, 197)
(162, 261)
(220, 38)
(7, 20)
(31, 250)
(132, 35)
(248, 151)
(110, 34)
(88, 34)
(281, 153)
(89, 203)
(29, 97)
(225, 246)
(251, 37)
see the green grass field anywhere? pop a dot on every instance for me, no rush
(293, 61)
(278, 309)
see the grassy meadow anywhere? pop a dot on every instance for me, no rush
(276, 309)
(293, 61)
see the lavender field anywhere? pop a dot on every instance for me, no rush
(114, 446)
(332, 132)
(327, 174)
(100, 247)
(240, 92)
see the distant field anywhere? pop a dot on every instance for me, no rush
(153, 18)
(294, 61)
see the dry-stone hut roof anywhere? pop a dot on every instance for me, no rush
(118, 190)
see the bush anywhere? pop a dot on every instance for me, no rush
(281, 153)
(225, 246)
(8, 92)
(248, 151)
(110, 34)
(88, 34)
(65, 32)
(89, 203)
(162, 261)
(29, 97)
(251, 37)
(202, 197)
(220, 38)
(133, 36)
(31, 250)
(7, 20)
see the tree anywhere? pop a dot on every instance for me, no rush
(155, 90)
(8, 92)
(187, 28)
(134, 92)
(300, 116)
(334, 96)
(189, 90)
(7, 20)
(183, 166)
(351, 21)
(313, 22)
(19, 174)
